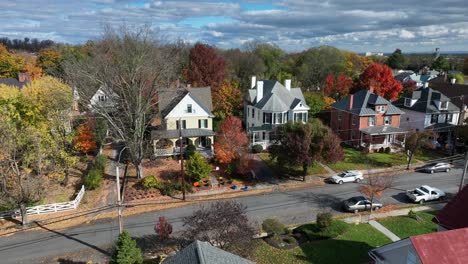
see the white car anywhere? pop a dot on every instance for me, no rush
(424, 193)
(347, 176)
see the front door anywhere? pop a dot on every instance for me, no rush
(202, 141)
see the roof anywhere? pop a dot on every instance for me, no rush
(187, 133)
(454, 214)
(276, 97)
(382, 130)
(363, 102)
(203, 253)
(458, 93)
(425, 103)
(12, 82)
(442, 247)
(169, 98)
(402, 76)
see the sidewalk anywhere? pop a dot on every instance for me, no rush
(384, 230)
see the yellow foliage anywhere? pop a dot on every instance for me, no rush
(328, 101)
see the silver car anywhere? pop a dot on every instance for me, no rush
(361, 203)
(347, 176)
(436, 167)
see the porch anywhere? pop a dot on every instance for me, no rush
(375, 138)
(261, 136)
(167, 142)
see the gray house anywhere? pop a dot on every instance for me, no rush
(270, 104)
(203, 253)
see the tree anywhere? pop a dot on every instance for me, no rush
(232, 142)
(315, 101)
(197, 167)
(337, 86)
(30, 66)
(227, 100)
(397, 60)
(162, 228)
(271, 56)
(409, 86)
(223, 224)
(441, 64)
(49, 60)
(380, 78)
(207, 68)
(330, 146)
(465, 66)
(126, 250)
(10, 65)
(414, 141)
(242, 65)
(84, 140)
(459, 78)
(130, 67)
(374, 186)
(355, 64)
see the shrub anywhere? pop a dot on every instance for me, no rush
(149, 182)
(162, 228)
(324, 220)
(197, 167)
(166, 188)
(381, 150)
(93, 180)
(273, 227)
(100, 163)
(387, 150)
(126, 250)
(313, 232)
(178, 187)
(412, 214)
(190, 150)
(257, 148)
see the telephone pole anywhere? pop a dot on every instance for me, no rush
(119, 199)
(182, 160)
(465, 167)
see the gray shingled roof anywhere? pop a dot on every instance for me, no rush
(12, 82)
(169, 98)
(203, 253)
(363, 104)
(425, 101)
(382, 130)
(186, 133)
(276, 97)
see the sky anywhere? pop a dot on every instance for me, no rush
(294, 25)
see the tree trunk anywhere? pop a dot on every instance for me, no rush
(139, 170)
(24, 215)
(304, 171)
(409, 160)
(66, 178)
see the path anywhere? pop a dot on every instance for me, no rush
(328, 169)
(384, 230)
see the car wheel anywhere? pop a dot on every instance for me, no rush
(340, 182)
(358, 180)
(432, 171)
(422, 201)
(447, 170)
(356, 211)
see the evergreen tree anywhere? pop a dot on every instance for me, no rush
(126, 250)
(397, 60)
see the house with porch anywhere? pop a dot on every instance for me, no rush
(184, 114)
(427, 108)
(366, 120)
(269, 104)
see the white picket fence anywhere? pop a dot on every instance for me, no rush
(47, 208)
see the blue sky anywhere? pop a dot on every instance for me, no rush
(294, 25)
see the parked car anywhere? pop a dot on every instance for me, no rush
(361, 203)
(424, 193)
(436, 167)
(347, 176)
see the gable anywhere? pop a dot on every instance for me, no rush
(180, 109)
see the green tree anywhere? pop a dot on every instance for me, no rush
(271, 56)
(10, 65)
(441, 64)
(126, 250)
(465, 66)
(460, 79)
(397, 60)
(197, 167)
(315, 101)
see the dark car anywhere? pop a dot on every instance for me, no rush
(360, 203)
(435, 167)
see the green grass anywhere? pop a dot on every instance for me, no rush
(404, 226)
(356, 160)
(429, 154)
(350, 247)
(293, 171)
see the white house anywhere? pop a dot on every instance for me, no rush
(103, 99)
(269, 104)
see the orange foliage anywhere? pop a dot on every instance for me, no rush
(84, 140)
(232, 142)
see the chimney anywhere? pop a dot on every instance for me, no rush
(24, 77)
(351, 99)
(371, 89)
(254, 80)
(189, 86)
(453, 81)
(287, 84)
(259, 91)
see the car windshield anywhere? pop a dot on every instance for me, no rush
(431, 165)
(342, 174)
(354, 200)
(424, 189)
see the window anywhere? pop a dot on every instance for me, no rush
(371, 121)
(353, 120)
(387, 120)
(408, 102)
(101, 98)
(380, 108)
(434, 119)
(339, 116)
(279, 118)
(285, 117)
(267, 118)
(189, 108)
(449, 118)
(352, 138)
(263, 135)
(202, 123)
(253, 112)
(444, 105)
(184, 124)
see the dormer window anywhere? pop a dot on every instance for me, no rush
(102, 98)
(189, 108)
(380, 108)
(408, 102)
(443, 105)
(387, 120)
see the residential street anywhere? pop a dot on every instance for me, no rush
(291, 207)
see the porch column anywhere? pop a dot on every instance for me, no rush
(211, 144)
(360, 139)
(253, 138)
(155, 142)
(192, 141)
(174, 141)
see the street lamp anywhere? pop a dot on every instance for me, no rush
(119, 200)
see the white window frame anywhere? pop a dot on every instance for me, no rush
(408, 102)
(446, 105)
(353, 120)
(447, 120)
(189, 108)
(202, 123)
(101, 98)
(369, 123)
(380, 108)
(387, 120)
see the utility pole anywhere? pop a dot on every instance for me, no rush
(119, 199)
(181, 160)
(462, 182)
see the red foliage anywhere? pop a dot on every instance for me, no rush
(84, 140)
(330, 148)
(380, 78)
(409, 86)
(207, 68)
(162, 228)
(337, 86)
(231, 142)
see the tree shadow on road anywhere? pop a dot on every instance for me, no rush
(69, 261)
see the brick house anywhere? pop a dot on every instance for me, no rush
(366, 120)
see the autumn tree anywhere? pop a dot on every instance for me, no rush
(415, 140)
(271, 56)
(397, 60)
(355, 64)
(329, 145)
(130, 67)
(197, 167)
(227, 100)
(223, 224)
(337, 86)
(10, 64)
(30, 66)
(231, 142)
(206, 67)
(163, 228)
(379, 77)
(49, 60)
(242, 65)
(84, 140)
(315, 101)
(409, 86)
(374, 186)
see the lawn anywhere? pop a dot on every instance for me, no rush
(428, 155)
(294, 171)
(350, 247)
(404, 226)
(356, 160)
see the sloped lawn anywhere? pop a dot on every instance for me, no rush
(314, 169)
(404, 226)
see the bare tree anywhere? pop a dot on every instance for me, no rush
(130, 67)
(374, 186)
(414, 141)
(223, 224)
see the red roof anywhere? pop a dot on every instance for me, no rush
(448, 247)
(455, 214)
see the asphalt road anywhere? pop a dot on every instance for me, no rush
(291, 207)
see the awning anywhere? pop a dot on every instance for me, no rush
(382, 130)
(441, 127)
(186, 133)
